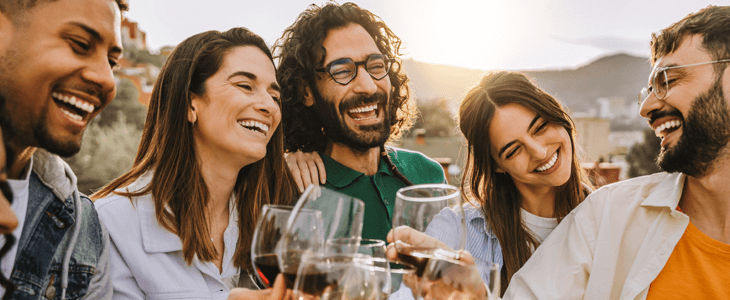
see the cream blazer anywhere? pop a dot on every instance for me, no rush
(611, 246)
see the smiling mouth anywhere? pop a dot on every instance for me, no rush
(255, 126)
(667, 127)
(549, 164)
(73, 107)
(366, 112)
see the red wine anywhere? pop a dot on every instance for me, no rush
(416, 256)
(267, 267)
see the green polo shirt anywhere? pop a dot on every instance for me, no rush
(378, 191)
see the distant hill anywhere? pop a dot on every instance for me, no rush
(619, 75)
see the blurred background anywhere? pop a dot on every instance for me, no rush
(593, 56)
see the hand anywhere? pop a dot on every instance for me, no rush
(276, 292)
(411, 237)
(306, 169)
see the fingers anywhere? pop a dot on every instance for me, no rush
(246, 294)
(312, 167)
(278, 291)
(303, 166)
(320, 165)
(291, 162)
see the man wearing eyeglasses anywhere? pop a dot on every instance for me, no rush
(666, 235)
(344, 95)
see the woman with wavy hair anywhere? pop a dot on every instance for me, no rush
(522, 173)
(181, 220)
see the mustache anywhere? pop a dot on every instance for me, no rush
(360, 100)
(672, 112)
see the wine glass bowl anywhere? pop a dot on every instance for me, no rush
(340, 276)
(269, 229)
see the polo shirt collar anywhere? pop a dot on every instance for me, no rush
(340, 176)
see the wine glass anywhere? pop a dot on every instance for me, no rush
(269, 229)
(416, 206)
(329, 276)
(448, 278)
(372, 247)
(341, 215)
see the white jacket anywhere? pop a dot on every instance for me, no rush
(611, 246)
(147, 260)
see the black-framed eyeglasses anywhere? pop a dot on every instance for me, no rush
(659, 83)
(343, 70)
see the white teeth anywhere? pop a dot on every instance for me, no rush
(72, 115)
(549, 164)
(255, 124)
(667, 125)
(364, 109)
(78, 103)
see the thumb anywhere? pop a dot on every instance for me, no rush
(279, 288)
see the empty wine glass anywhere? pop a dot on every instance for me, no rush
(269, 229)
(416, 206)
(341, 215)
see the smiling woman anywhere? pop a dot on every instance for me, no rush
(522, 175)
(181, 220)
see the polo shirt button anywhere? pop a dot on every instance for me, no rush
(51, 292)
(663, 250)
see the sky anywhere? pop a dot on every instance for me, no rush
(477, 34)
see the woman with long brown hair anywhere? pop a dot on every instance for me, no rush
(181, 220)
(522, 174)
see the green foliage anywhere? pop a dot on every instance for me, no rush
(434, 116)
(642, 156)
(144, 57)
(106, 153)
(125, 105)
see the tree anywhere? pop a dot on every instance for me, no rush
(435, 117)
(642, 156)
(106, 153)
(124, 104)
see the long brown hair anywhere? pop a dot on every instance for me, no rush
(167, 148)
(496, 192)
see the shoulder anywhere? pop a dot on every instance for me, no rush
(416, 166)
(117, 211)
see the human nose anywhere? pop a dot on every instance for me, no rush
(651, 103)
(537, 149)
(363, 83)
(99, 72)
(267, 105)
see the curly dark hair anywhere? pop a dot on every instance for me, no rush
(300, 51)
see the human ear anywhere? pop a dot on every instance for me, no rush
(6, 31)
(193, 110)
(498, 170)
(307, 93)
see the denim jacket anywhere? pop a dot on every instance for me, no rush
(63, 242)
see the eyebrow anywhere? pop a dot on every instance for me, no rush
(532, 123)
(252, 76)
(96, 35)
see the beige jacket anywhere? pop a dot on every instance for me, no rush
(611, 246)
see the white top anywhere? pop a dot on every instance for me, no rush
(612, 246)
(19, 207)
(540, 227)
(147, 260)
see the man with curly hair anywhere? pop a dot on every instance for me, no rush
(344, 95)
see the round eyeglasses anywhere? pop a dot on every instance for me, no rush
(659, 82)
(343, 70)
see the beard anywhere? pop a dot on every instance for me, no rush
(336, 129)
(705, 135)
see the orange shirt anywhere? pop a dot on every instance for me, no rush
(698, 268)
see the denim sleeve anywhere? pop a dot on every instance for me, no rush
(100, 286)
(445, 227)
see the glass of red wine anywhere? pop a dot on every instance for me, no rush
(329, 276)
(415, 207)
(341, 217)
(269, 230)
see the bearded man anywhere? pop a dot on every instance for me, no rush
(344, 95)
